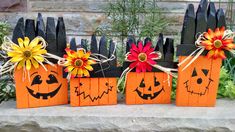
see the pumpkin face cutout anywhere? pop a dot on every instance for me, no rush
(90, 96)
(202, 79)
(100, 87)
(150, 92)
(42, 86)
(45, 88)
(151, 86)
(148, 88)
(197, 84)
(93, 91)
(38, 79)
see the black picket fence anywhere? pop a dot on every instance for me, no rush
(55, 35)
(107, 69)
(196, 23)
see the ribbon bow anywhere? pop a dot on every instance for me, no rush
(215, 42)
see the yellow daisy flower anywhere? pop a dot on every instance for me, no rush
(27, 53)
(78, 63)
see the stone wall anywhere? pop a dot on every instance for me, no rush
(83, 16)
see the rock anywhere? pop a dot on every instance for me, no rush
(119, 118)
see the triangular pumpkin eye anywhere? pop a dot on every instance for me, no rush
(205, 71)
(194, 73)
(142, 84)
(156, 83)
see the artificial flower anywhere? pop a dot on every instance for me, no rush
(78, 63)
(27, 53)
(142, 57)
(216, 42)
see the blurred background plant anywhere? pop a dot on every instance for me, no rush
(7, 88)
(140, 18)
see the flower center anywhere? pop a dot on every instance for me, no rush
(78, 62)
(217, 43)
(27, 54)
(142, 57)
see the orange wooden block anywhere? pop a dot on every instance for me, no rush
(148, 88)
(130, 88)
(43, 88)
(215, 74)
(93, 91)
(74, 92)
(112, 91)
(22, 95)
(198, 84)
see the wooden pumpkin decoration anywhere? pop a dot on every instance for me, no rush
(100, 88)
(152, 87)
(198, 83)
(40, 87)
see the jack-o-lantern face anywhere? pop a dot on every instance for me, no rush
(41, 88)
(202, 81)
(93, 97)
(197, 85)
(50, 80)
(93, 91)
(148, 88)
(150, 94)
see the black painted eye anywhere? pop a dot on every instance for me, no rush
(106, 84)
(36, 80)
(80, 84)
(205, 71)
(142, 84)
(194, 72)
(156, 83)
(52, 79)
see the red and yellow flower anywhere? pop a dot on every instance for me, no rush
(78, 63)
(216, 43)
(142, 57)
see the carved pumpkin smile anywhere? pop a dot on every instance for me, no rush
(37, 80)
(89, 96)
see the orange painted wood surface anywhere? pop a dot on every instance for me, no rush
(197, 85)
(40, 87)
(148, 88)
(93, 91)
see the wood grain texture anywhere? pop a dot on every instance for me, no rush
(93, 91)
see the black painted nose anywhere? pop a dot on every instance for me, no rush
(199, 81)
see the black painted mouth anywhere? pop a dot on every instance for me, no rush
(148, 96)
(198, 93)
(110, 88)
(44, 95)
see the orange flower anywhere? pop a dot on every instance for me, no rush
(78, 63)
(216, 43)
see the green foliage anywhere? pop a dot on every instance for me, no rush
(174, 85)
(7, 89)
(4, 30)
(226, 85)
(141, 18)
(136, 17)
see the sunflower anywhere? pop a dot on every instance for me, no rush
(216, 43)
(142, 57)
(78, 63)
(27, 53)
